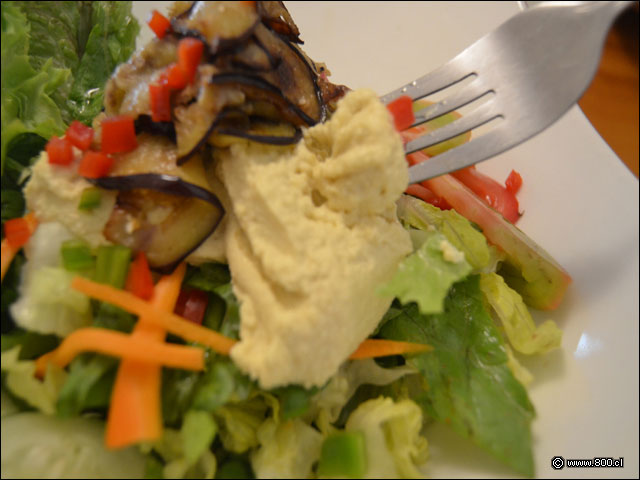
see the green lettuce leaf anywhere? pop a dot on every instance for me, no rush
(457, 229)
(394, 446)
(470, 385)
(21, 381)
(522, 332)
(426, 275)
(44, 446)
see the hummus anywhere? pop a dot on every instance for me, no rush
(312, 232)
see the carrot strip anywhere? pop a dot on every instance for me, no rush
(169, 321)
(374, 347)
(135, 410)
(9, 251)
(119, 344)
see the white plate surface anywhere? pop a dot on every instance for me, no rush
(580, 204)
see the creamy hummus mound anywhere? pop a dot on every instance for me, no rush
(312, 232)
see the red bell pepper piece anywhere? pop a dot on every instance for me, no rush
(118, 135)
(95, 164)
(160, 98)
(79, 135)
(192, 305)
(402, 110)
(59, 151)
(189, 56)
(139, 280)
(159, 24)
(513, 182)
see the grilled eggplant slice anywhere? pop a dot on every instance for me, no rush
(276, 16)
(221, 25)
(258, 130)
(161, 215)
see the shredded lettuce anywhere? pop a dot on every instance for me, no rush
(457, 229)
(21, 381)
(394, 446)
(522, 332)
(426, 275)
(286, 449)
(470, 385)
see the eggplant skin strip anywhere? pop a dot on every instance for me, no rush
(267, 139)
(168, 184)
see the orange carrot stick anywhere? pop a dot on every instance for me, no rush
(169, 321)
(8, 249)
(110, 342)
(374, 347)
(135, 410)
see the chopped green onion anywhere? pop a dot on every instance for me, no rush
(294, 401)
(112, 265)
(76, 256)
(90, 199)
(343, 455)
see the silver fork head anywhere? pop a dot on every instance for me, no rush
(537, 65)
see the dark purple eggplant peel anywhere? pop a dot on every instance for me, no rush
(162, 215)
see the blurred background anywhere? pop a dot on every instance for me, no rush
(611, 102)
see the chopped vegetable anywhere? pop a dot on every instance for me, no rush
(160, 98)
(112, 265)
(90, 199)
(175, 77)
(80, 135)
(192, 305)
(110, 342)
(513, 182)
(170, 321)
(20, 230)
(139, 280)
(423, 193)
(159, 24)
(95, 165)
(118, 134)
(76, 256)
(59, 151)
(402, 111)
(374, 347)
(189, 55)
(343, 456)
(135, 413)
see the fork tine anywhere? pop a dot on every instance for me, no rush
(472, 152)
(478, 117)
(468, 94)
(442, 77)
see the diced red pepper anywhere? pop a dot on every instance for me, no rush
(402, 110)
(175, 78)
(59, 151)
(139, 279)
(118, 135)
(95, 165)
(160, 98)
(189, 56)
(159, 24)
(192, 305)
(513, 182)
(79, 135)
(17, 232)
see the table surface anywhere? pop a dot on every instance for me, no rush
(611, 102)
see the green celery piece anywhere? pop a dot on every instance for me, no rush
(112, 265)
(426, 275)
(343, 456)
(470, 385)
(77, 256)
(438, 122)
(294, 400)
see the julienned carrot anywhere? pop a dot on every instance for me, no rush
(169, 321)
(135, 411)
(10, 248)
(374, 347)
(110, 342)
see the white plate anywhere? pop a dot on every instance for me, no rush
(580, 204)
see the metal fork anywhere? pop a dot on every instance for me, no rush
(537, 65)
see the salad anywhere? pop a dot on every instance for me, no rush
(213, 266)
